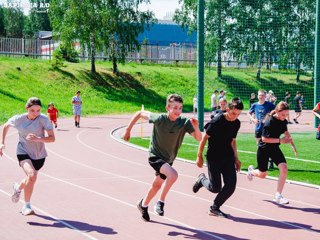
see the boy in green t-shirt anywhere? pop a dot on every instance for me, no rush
(167, 136)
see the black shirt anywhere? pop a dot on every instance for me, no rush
(273, 128)
(221, 133)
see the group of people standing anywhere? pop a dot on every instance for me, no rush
(35, 129)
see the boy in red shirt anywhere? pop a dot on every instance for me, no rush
(53, 114)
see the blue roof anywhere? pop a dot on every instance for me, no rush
(164, 34)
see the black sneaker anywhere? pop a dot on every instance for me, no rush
(76, 124)
(198, 184)
(158, 208)
(144, 211)
(215, 211)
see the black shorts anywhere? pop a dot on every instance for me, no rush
(297, 109)
(156, 163)
(258, 133)
(37, 163)
(266, 152)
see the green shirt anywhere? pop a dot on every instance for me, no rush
(167, 136)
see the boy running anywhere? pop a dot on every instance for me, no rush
(168, 132)
(222, 156)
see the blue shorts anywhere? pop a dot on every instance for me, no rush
(77, 111)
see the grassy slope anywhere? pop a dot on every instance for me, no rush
(105, 93)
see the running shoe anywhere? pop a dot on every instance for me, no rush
(249, 173)
(278, 198)
(15, 197)
(158, 208)
(27, 210)
(144, 211)
(198, 184)
(215, 211)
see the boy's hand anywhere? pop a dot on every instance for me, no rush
(238, 165)
(199, 161)
(32, 137)
(194, 122)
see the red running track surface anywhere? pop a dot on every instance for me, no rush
(90, 184)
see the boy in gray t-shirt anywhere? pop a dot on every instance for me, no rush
(167, 135)
(31, 151)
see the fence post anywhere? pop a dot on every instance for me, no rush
(317, 62)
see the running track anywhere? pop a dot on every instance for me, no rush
(90, 184)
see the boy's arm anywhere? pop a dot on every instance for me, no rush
(252, 117)
(140, 114)
(202, 144)
(235, 152)
(196, 134)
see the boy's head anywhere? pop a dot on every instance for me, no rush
(234, 108)
(51, 104)
(174, 98)
(262, 95)
(174, 106)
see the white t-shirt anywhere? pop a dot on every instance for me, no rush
(37, 126)
(214, 100)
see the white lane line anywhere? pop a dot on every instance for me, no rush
(181, 193)
(88, 236)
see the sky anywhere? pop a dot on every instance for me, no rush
(159, 7)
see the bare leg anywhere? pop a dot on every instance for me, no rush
(259, 174)
(172, 176)
(283, 168)
(155, 187)
(28, 183)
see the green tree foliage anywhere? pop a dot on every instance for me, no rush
(13, 22)
(2, 30)
(258, 32)
(105, 25)
(38, 19)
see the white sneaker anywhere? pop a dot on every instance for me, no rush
(27, 210)
(249, 173)
(278, 198)
(16, 193)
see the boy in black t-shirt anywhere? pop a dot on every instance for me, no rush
(222, 156)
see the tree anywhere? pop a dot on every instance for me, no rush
(122, 25)
(13, 22)
(100, 24)
(217, 12)
(2, 30)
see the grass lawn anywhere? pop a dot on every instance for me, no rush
(304, 168)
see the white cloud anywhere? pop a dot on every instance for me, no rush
(161, 7)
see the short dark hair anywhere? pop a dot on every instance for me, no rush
(33, 101)
(235, 103)
(174, 98)
(78, 92)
